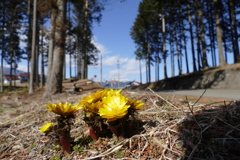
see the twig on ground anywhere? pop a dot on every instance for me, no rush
(200, 140)
(164, 99)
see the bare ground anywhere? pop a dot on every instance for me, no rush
(172, 128)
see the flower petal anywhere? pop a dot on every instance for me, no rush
(46, 127)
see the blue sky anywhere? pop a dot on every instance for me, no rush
(112, 37)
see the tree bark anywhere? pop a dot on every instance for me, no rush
(79, 61)
(42, 59)
(199, 55)
(202, 35)
(164, 47)
(222, 62)
(55, 80)
(3, 50)
(33, 53)
(192, 40)
(84, 51)
(51, 48)
(234, 33)
(172, 57)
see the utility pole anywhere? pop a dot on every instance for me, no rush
(118, 65)
(140, 70)
(101, 69)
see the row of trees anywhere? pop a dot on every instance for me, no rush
(166, 28)
(70, 33)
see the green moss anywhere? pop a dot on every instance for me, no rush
(57, 148)
(78, 148)
(120, 154)
(55, 158)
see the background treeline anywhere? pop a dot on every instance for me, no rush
(51, 30)
(186, 34)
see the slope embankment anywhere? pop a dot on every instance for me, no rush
(227, 77)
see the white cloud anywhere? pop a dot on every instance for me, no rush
(22, 67)
(110, 61)
(128, 68)
(103, 50)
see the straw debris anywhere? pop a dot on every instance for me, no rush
(170, 128)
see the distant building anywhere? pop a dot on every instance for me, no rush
(21, 78)
(8, 78)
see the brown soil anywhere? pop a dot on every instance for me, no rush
(173, 127)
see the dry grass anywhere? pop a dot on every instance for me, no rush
(171, 128)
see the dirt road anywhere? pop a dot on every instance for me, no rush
(212, 93)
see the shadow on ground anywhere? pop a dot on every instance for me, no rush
(212, 133)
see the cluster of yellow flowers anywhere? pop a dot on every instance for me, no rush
(109, 104)
(104, 110)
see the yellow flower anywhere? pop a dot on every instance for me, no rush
(63, 109)
(92, 107)
(112, 92)
(114, 107)
(135, 104)
(46, 127)
(93, 102)
(94, 97)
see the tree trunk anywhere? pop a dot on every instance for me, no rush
(42, 60)
(29, 43)
(79, 62)
(202, 35)
(177, 50)
(36, 80)
(157, 67)
(198, 45)
(50, 51)
(149, 63)
(84, 50)
(211, 31)
(222, 62)
(192, 40)
(172, 57)
(3, 49)
(55, 80)
(164, 47)
(64, 67)
(224, 39)
(234, 33)
(186, 53)
(33, 54)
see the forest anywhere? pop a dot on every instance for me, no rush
(54, 29)
(51, 30)
(202, 34)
